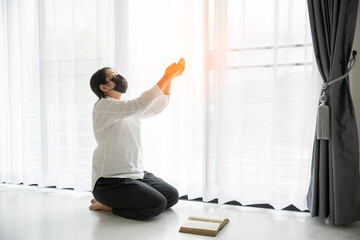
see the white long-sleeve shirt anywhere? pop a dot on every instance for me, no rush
(117, 131)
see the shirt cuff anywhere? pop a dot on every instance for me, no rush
(158, 91)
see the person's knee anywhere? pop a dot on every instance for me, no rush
(174, 198)
(159, 206)
(162, 203)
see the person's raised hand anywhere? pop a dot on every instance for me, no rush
(181, 66)
(175, 69)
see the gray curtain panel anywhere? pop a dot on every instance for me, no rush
(334, 190)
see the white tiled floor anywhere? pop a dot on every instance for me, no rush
(43, 213)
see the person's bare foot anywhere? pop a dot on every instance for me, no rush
(95, 205)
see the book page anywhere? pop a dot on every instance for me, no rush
(205, 219)
(212, 226)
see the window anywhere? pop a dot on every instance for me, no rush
(261, 99)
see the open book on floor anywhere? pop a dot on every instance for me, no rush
(203, 226)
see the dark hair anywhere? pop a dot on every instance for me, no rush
(98, 78)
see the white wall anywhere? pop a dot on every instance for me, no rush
(355, 74)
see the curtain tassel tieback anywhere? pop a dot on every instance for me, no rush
(323, 118)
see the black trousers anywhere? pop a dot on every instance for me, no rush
(136, 198)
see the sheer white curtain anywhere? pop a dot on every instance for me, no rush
(240, 122)
(264, 103)
(49, 49)
(160, 32)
